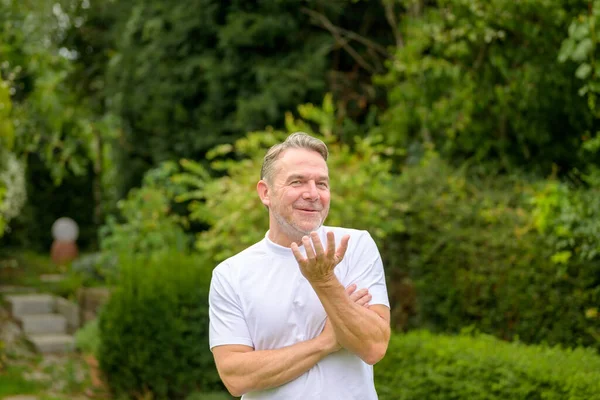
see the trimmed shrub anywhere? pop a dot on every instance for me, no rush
(154, 328)
(421, 365)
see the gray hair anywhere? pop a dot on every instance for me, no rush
(297, 140)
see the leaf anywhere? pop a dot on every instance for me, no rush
(583, 50)
(562, 257)
(583, 71)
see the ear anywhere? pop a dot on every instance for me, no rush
(263, 192)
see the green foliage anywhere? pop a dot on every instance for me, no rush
(13, 193)
(480, 79)
(47, 116)
(6, 143)
(230, 205)
(2, 355)
(53, 125)
(580, 48)
(184, 82)
(87, 338)
(569, 221)
(421, 365)
(146, 224)
(154, 328)
(7, 135)
(475, 257)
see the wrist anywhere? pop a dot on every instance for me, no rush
(326, 345)
(325, 283)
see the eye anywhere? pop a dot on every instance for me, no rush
(323, 184)
(295, 183)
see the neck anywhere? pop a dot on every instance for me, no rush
(284, 239)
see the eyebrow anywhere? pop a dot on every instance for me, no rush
(301, 177)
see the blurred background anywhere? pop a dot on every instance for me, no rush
(463, 136)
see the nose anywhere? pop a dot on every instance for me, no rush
(311, 192)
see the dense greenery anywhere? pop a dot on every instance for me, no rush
(421, 365)
(221, 202)
(481, 80)
(464, 135)
(154, 328)
(185, 81)
(510, 256)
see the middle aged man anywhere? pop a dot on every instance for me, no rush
(285, 319)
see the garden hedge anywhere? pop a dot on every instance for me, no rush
(422, 365)
(154, 328)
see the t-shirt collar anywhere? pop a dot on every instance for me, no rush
(279, 249)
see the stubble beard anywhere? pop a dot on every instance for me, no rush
(293, 230)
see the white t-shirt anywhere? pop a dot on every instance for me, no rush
(259, 298)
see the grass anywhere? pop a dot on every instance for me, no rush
(12, 382)
(58, 378)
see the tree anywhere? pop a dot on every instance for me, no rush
(188, 76)
(480, 80)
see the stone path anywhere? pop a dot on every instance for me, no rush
(46, 321)
(62, 374)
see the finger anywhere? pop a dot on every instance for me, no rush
(297, 253)
(363, 301)
(317, 243)
(341, 251)
(330, 243)
(310, 253)
(358, 294)
(350, 289)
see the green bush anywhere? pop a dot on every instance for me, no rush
(479, 80)
(87, 338)
(421, 365)
(154, 328)
(474, 254)
(146, 223)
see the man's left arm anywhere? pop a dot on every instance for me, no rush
(363, 331)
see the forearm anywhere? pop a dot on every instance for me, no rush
(358, 329)
(244, 372)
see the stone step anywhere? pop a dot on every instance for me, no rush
(56, 343)
(43, 323)
(28, 304)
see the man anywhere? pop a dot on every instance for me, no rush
(286, 320)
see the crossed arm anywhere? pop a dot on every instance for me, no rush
(363, 331)
(243, 369)
(351, 323)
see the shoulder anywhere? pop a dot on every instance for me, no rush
(358, 237)
(231, 266)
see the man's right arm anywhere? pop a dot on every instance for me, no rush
(243, 369)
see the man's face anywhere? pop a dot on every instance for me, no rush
(299, 194)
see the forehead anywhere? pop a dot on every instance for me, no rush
(300, 162)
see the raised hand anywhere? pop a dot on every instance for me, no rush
(318, 265)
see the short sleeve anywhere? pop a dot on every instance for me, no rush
(227, 322)
(366, 268)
